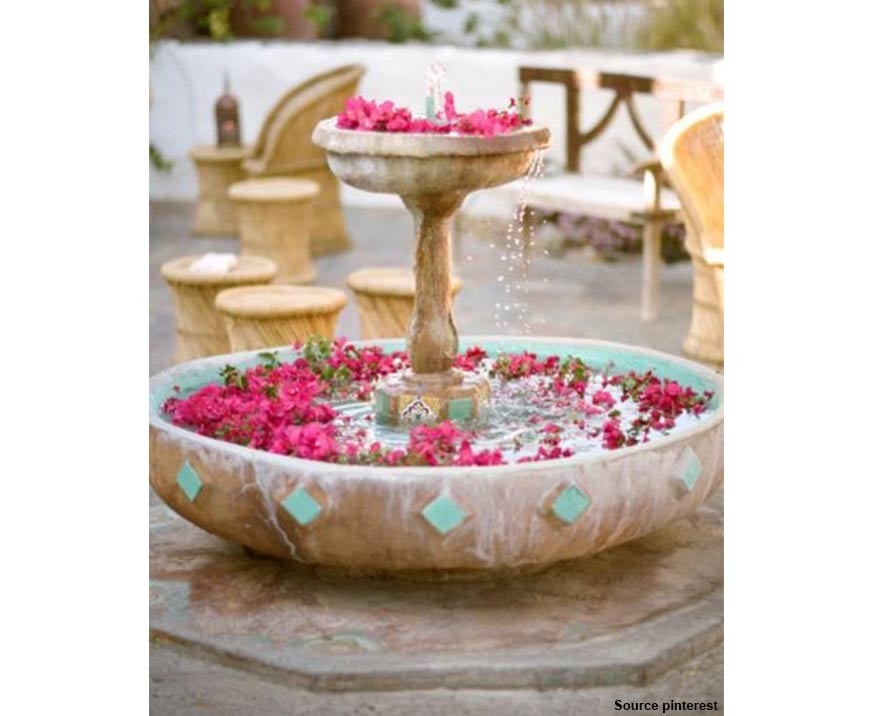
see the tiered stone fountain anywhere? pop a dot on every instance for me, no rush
(442, 520)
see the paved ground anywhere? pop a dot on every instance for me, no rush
(640, 622)
(233, 635)
(181, 686)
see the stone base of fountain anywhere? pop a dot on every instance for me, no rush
(412, 398)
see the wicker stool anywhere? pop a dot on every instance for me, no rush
(218, 168)
(385, 298)
(269, 316)
(328, 234)
(200, 328)
(275, 217)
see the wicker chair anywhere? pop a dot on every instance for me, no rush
(284, 148)
(693, 155)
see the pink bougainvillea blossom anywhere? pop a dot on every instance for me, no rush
(289, 408)
(371, 116)
(603, 398)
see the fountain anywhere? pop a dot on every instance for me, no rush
(443, 521)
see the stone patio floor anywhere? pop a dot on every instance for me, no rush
(654, 605)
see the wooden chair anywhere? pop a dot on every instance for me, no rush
(693, 156)
(631, 199)
(284, 148)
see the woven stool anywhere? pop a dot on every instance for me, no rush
(385, 298)
(200, 328)
(218, 168)
(277, 315)
(275, 216)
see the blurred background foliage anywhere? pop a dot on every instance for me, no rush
(522, 24)
(689, 24)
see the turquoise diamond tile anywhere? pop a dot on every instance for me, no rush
(189, 481)
(688, 469)
(461, 409)
(301, 505)
(444, 514)
(571, 503)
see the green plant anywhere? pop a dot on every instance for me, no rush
(158, 160)
(402, 26)
(213, 18)
(209, 17)
(539, 24)
(265, 24)
(320, 15)
(688, 24)
(164, 18)
(554, 24)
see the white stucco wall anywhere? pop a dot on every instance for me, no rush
(186, 79)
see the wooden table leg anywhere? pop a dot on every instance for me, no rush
(650, 285)
(652, 235)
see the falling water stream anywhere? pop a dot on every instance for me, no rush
(513, 310)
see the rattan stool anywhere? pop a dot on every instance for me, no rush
(200, 328)
(218, 168)
(277, 315)
(275, 216)
(385, 298)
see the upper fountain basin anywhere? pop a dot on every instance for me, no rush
(417, 164)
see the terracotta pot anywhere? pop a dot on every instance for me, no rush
(362, 18)
(254, 18)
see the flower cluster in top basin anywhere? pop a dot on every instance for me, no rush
(370, 116)
(553, 406)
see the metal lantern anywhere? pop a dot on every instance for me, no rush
(226, 112)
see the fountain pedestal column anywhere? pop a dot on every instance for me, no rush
(432, 390)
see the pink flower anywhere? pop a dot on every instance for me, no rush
(613, 436)
(313, 441)
(603, 398)
(287, 408)
(449, 106)
(368, 115)
(470, 360)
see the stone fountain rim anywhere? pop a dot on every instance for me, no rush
(421, 145)
(167, 378)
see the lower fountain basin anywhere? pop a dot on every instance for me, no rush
(439, 521)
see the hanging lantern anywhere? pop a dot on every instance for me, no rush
(226, 112)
